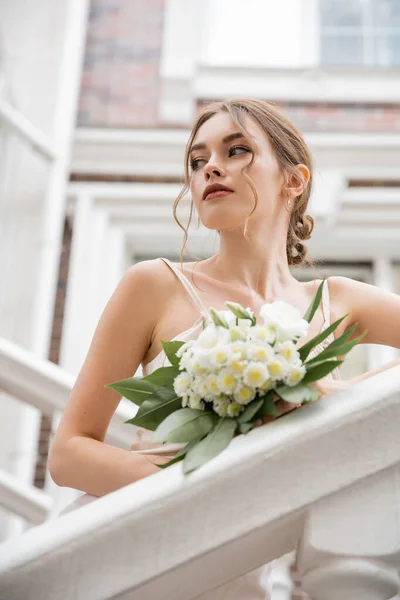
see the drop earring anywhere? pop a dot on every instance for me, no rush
(289, 203)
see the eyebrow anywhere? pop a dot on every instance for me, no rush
(225, 140)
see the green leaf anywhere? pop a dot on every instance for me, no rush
(170, 349)
(211, 445)
(245, 427)
(163, 377)
(135, 389)
(185, 425)
(320, 369)
(268, 407)
(312, 309)
(250, 411)
(335, 350)
(305, 350)
(180, 455)
(154, 410)
(297, 394)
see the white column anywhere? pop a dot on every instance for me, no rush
(350, 547)
(46, 44)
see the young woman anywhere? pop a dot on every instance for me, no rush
(249, 172)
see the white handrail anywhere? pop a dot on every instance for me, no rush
(241, 510)
(24, 128)
(24, 500)
(47, 386)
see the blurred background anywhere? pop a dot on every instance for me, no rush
(96, 103)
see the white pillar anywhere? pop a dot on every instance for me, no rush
(350, 546)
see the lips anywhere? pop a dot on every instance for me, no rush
(214, 189)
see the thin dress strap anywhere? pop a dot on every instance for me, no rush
(326, 309)
(189, 288)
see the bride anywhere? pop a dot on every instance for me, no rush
(249, 172)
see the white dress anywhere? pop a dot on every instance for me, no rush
(256, 584)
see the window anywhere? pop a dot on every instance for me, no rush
(360, 32)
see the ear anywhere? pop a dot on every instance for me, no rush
(298, 181)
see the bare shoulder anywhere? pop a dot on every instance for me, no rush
(374, 309)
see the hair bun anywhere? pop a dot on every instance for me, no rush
(304, 227)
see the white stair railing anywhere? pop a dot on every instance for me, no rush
(47, 386)
(323, 480)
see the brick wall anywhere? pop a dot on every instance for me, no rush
(45, 427)
(329, 117)
(120, 79)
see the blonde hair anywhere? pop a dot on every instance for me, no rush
(290, 150)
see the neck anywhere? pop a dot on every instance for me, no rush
(259, 264)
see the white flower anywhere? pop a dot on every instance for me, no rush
(185, 347)
(287, 318)
(234, 409)
(294, 374)
(211, 336)
(288, 351)
(221, 355)
(227, 381)
(277, 367)
(244, 394)
(255, 374)
(260, 352)
(182, 383)
(212, 384)
(221, 406)
(195, 401)
(200, 387)
(263, 333)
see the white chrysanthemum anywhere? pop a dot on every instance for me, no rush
(267, 385)
(234, 409)
(239, 350)
(212, 384)
(294, 375)
(221, 406)
(182, 383)
(220, 355)
(288, 351)
(185, 400)
(244, 394)
(263, 333)
(287, 318)
(185, 347)
(255, 374)
(277, 367)
(227, 381)
(237, 367)
(260, 352)
(200, 386)
(195, 401)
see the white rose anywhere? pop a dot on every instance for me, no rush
(211, 336)
(287, 318)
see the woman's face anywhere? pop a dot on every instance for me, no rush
(218, 154)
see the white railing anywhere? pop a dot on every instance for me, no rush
(46, 386)
(322, 480)
(20, 125)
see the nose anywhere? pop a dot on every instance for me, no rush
(212, 168)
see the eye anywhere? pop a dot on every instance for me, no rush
(238, 148)
(194, 163)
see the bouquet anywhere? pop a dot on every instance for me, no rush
(220, 384)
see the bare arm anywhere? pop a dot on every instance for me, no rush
(79, 457)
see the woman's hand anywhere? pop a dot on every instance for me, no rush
(326, 386)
